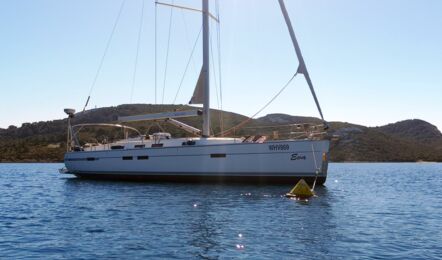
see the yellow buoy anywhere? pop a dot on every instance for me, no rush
(301, 190)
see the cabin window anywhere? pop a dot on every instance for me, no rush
(126, 158)
(140, 146)
(157, 145)
(218, 155)
(116, 147)
(90, 159)
(143, 157)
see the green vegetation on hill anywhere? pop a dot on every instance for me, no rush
(409, 140)
(414, 130)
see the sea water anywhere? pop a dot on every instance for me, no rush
(365, 210)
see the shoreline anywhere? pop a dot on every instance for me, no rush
(418, 161)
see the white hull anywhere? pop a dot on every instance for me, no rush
(279, 161)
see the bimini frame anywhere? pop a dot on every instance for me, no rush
(73, 138)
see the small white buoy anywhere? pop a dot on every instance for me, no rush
(195, 205)
(240, 235)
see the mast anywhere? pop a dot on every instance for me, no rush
(205, 70)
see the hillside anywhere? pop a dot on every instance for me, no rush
(409, 140)
(414, 130)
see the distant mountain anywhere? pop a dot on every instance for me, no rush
(409, 140)
(359, 143)
(286, 119)
(414, 130)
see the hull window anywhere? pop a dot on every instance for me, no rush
(139, 146)
(218, 155)
(157, 145)
(82, 159)
(126, 158)
(117, 147)
(143, 157)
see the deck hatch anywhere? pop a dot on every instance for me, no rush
(190, 142)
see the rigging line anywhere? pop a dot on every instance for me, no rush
(105, 52)
(216, 84)
(214, 75)
(140, 28)
(187, 66)
(187, 35)
(167, 54)
(218, 34)
(186, 8)
(214, 71)
(238, 126)
(156, 7)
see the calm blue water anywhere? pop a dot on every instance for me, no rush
(383, 211)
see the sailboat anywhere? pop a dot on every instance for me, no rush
(204, 158)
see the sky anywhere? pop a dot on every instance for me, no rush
(371, 62)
